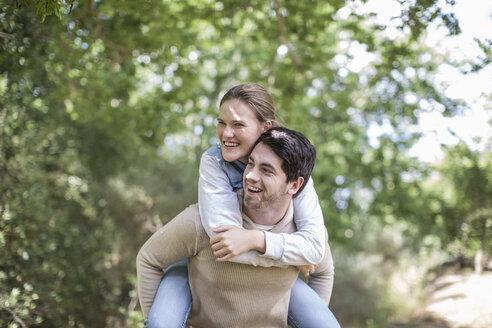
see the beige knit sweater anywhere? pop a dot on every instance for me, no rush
(225, 294)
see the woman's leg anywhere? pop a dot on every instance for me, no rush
(307, 309)
(172, 302)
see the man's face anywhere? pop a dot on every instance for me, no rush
(264, 181)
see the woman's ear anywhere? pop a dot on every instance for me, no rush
(266, 126)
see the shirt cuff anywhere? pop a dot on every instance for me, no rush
(274, 243)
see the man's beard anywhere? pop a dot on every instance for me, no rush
(263, 202)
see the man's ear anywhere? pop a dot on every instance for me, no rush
(266, 126)
(295, 185)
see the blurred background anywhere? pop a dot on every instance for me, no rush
(106, 107)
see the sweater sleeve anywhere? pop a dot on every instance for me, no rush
(321, 281)
(175, 241)
(307, 244)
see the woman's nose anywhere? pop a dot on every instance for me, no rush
(228, 132)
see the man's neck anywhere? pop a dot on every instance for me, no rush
(267, 216)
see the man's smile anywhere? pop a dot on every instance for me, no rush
(252, 190)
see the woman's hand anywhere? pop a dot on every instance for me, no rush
(307, 269)
(232, 241)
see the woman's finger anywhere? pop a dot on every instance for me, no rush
(222, 228)
(216, 246)
(216, 239)
(221, 252)
(224, 258)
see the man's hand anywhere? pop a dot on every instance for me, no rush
(307, 269)
(232, 241)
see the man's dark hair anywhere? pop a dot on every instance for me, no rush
(297, 153)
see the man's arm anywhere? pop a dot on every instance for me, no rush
(170, 244)
(321, 281)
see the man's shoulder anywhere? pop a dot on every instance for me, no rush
(189, 217)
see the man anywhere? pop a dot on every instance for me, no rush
(227, 294)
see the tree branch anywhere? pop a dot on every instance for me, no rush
(16, 318)
(284, 39)
(6, 35)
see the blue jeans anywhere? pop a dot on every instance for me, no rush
(306, 309)
(172, 303)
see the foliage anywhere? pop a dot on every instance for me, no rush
(467, 207)
(486, 59)
(46, 7)
(104, 113)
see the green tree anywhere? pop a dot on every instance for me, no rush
(106, 110)
(466, 208)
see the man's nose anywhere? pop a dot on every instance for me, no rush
(251, 175)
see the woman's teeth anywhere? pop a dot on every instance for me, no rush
(231, 144)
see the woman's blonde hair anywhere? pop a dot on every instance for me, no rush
(257, 98)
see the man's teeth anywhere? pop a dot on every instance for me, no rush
(254, 189)
(231, 144)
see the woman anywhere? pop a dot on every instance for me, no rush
(246, 111)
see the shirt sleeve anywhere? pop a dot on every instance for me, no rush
(172, 243)
(217, 202)
(321, 281)
(307, 244)
(219, 205)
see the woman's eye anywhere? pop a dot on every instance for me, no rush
(239, 125)
(220, 123)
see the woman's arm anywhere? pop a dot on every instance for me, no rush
(217, 201)
(219, 207)
(307, 245)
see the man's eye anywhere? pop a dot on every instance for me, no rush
(250, 164)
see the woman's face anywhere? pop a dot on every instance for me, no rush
(237, 130)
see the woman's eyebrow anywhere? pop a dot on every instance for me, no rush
(232, 121)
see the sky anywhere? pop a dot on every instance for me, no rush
(475, 19)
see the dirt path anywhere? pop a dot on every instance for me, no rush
(460, 300)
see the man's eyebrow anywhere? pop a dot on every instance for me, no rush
(268, 165)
